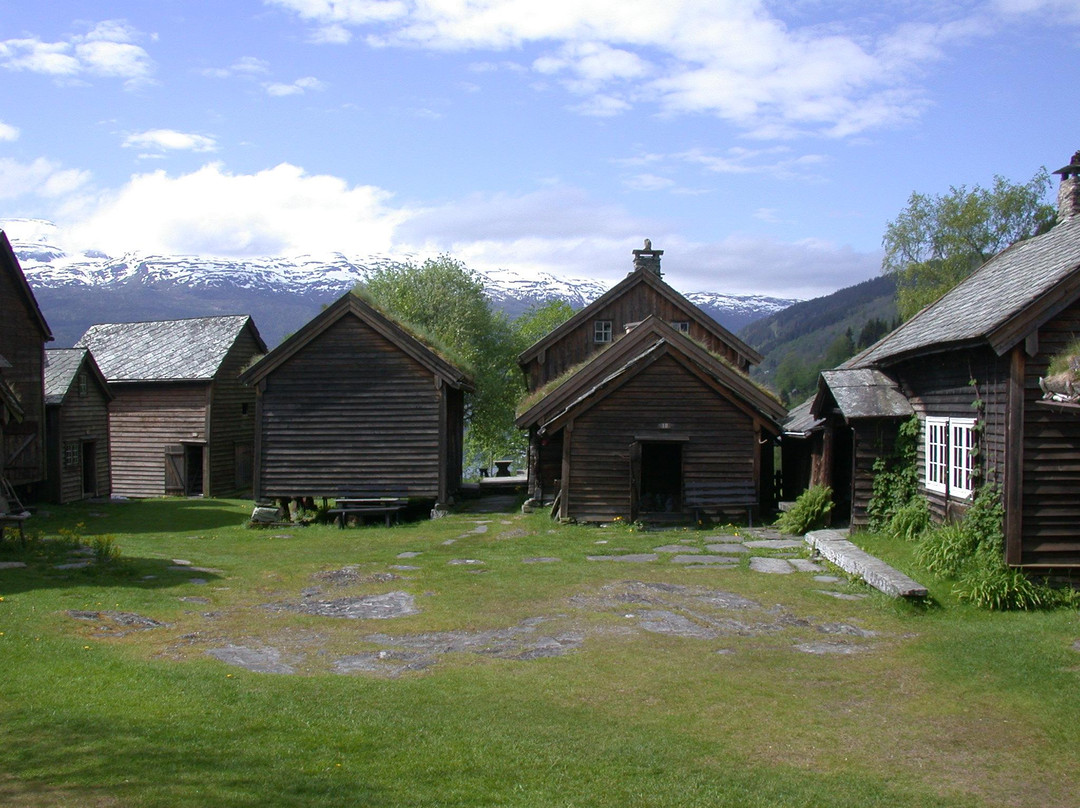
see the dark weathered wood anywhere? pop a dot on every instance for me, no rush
(81, 418)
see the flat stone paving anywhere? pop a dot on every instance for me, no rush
(834, 546)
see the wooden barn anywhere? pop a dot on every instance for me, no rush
(660, 421)
(181, 423)
(76, 426)
(354, 405)
(23, 334)
(973, 367)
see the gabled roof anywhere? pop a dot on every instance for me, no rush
(801, 421)
(62, 366)
(351, 304)
(10, 264)
(166, 350)
(1000, 303)
(861, 393)
(650, 278)
(649, 341)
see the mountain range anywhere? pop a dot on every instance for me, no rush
(78, 290)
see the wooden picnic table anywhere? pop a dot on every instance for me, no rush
(366, 506)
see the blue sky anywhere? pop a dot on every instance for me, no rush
(762, 145)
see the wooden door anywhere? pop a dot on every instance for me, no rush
(175, 481)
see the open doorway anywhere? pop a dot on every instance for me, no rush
(193, 469)
(660, 478)
(89, 468)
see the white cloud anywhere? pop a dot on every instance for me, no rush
(298, 87)
(107, 50)
(739, 60)
(8, 132)
(279, 211)
(246, 67)
(41, 178)
(170, 140)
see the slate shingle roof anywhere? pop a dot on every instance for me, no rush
(165, 350)
(61, 366)
(866, 393)
(984, 305)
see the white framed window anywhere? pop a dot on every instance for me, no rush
(602, 331)
(949, 444)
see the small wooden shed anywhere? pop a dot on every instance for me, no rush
(180, 423)
(77, 426)
(23, 334)
(354, 405)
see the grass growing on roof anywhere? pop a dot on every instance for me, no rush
(946, 705)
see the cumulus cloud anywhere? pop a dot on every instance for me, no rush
(298, 87)
(107, 50)
(279, 211)
(170, 140)
(739, 60)
(40, 178)
(8, 132)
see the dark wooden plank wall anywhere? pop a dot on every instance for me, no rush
(1051, 458)
(79, 419)
(721, 448)
(872, 439)
(939, 386)
(232, 418)
(143, 420)
(633, 306)
(349, 413)
(22, 344)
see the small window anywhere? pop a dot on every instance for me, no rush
(602, 331)
(72, 454)
(950, 444)
(681, 325)
(84, 385)
(244, 408)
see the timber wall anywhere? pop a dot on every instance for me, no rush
(143, 420)
(22, 344)
(231, 437)
(77, 420)
(721, 447)
(634, 306)
(349, 414)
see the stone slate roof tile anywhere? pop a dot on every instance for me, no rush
(165, 350)
(61, 366)
(866, 393)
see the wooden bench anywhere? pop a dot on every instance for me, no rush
(716, 498)
(366, 506)
(8, 519)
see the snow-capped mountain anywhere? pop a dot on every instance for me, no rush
(76, 290)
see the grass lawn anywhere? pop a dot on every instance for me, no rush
(563, 682)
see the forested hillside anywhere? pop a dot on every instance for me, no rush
(820, 333)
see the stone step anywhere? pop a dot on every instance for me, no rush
(835, 547)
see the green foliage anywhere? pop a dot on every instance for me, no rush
(445, 299)
(1001, 588)
(105, 548)
(937, 241)
(909, 520)
(896, 482)
(810, 511)
(946, 549)
(539, 320)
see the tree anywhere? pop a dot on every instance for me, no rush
(937, 241)
(539, 320)
(443, 301)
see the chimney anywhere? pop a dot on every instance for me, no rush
(1069, 191)
(650, 259)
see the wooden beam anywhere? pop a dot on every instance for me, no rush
(1013, 489)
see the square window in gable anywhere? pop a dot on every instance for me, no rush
(602, 331)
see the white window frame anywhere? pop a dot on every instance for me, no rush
(602, 331)
(949, 445)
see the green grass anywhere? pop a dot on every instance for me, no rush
(948, 706)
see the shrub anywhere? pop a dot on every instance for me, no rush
(105, 549)
(945, 550)
(909, 521)
(896, 479)
(998, 587)
(810, 511)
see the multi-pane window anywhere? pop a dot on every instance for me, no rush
(681, 325)
(72, 454)
(949, 455)
(602, 331)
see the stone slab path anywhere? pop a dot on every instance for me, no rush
(834, 546)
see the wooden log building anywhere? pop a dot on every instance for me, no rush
(77, 426)
(353, 405)
(181, 423)
(23, 334)
(972, 368)
(640, 407)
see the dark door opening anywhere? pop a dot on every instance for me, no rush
(843, 469)
(661, 478)
(193, 470)
(89, 469)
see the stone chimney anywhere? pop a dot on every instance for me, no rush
(649, 259)
(1069, 191)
